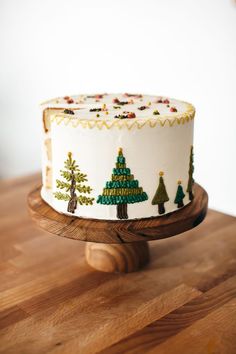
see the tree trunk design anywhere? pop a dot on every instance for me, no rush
(180, 204)
(72, 204)
(190, 195)
(161, 208)
(122, 211)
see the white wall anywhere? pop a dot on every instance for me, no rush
(185, 49)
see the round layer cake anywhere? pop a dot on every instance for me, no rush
(117, 156)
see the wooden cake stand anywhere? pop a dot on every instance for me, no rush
(118, 246)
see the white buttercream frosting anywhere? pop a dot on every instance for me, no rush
(143, 106)
(147, 148)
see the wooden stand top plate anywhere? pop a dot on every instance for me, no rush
(104, 231)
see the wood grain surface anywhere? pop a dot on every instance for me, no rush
(120, 231)
(113, 257)
(116, 248)
(51, 301)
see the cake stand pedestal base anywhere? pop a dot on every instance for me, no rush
(124, 258)
(118, 246)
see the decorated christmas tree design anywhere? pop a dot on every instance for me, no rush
(179, 196)
(73, 186)
(161, 196)
(190, 175)
(123, 189)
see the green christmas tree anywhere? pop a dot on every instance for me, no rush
(123, 189)
(161, 196)
(179, 196)
(190, 175)
(73, 185)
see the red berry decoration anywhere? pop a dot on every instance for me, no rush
(159, 101)
(66, 97)
(173, 109)
(131, 115)
(70, 100)
(121, 103)
(166, 101)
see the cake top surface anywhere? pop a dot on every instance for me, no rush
(119, 106)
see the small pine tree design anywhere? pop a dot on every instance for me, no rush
(179, 196)
(73, 186)
(161, 196)
(190, 175)
(123, 189)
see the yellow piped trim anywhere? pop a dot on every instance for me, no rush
(129, 124)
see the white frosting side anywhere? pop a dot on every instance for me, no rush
(147, 150)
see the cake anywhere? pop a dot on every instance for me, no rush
(117, 156)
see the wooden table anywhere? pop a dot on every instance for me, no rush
(51, 301)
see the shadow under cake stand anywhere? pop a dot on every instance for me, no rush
(118, 246)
